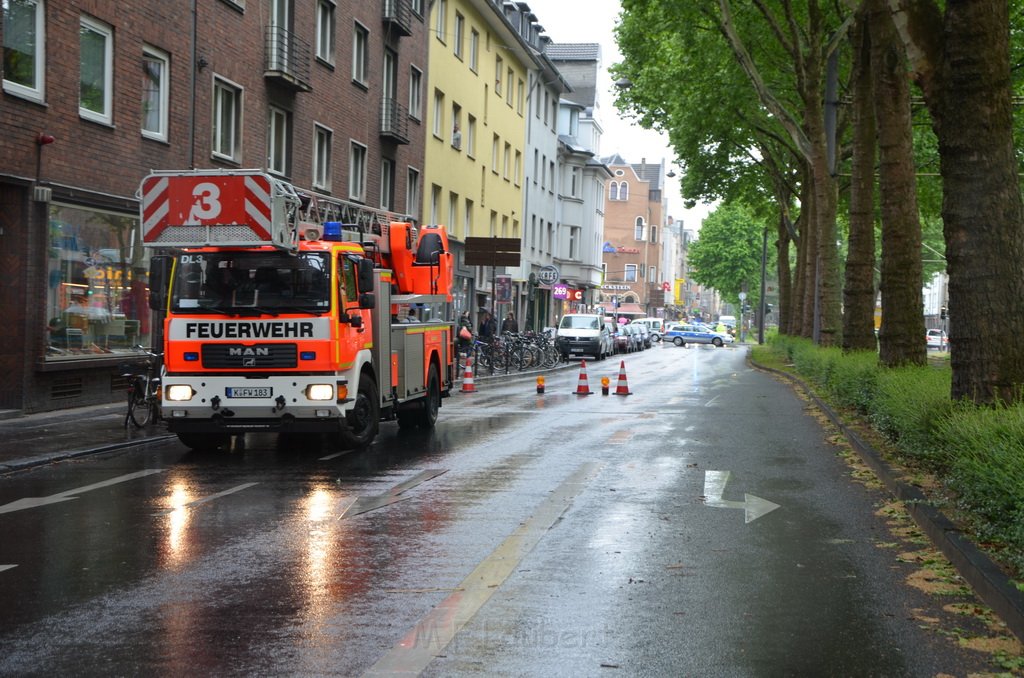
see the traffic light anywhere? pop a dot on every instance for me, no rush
(943, 313)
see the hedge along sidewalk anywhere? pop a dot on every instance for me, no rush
(991, 584)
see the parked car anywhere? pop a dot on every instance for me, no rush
(584, 334)
(645, 333)
(655, 327)
(936, 339)
(621, 339)
(636, 340)
(697, 334)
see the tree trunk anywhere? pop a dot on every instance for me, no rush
(901, 337)
(808, 259)
(962, 60)
(859, 292)
(785, 307)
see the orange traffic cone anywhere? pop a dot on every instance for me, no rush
(622, 388)
(582, 388)
(467, 377)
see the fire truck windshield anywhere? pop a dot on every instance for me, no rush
(244, 283)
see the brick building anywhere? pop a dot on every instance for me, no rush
(95, 94)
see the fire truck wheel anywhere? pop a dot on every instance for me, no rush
(204, 441)
(423, 412)
(363, 419)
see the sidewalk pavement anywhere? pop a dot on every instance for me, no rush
(35, 439)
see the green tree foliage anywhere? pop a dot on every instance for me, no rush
(727, 255)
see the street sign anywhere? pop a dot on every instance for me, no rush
(549, 275)
(492, 251)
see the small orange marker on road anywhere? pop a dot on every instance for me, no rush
(605, 382)
(540, 384)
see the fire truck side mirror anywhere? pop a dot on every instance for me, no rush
(364, 281)
(159, 281)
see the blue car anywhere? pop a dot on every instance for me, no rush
(681, 335)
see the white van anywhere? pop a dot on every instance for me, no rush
(655, 327)
(582, 334)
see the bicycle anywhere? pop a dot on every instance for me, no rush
(144, 391)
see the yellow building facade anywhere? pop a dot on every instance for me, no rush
(476, 101)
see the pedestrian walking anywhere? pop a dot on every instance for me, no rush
(509, 324)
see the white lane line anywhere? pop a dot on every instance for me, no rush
(711, 402)
(334, 456)
(6, 567)
(203, 500)
(438, 627)
(35, 502)
(364, 504)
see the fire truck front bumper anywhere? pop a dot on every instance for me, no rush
(230, 405)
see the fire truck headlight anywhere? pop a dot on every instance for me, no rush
(320, 392)
(179, 392)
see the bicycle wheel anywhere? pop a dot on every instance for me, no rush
(139, 410)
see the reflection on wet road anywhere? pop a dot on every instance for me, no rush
(527, 534)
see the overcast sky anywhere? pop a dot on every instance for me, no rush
(594, 21)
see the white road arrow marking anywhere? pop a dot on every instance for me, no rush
(35, 502)
(6, 567)
(753, 507)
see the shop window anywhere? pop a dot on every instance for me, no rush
(97, 295)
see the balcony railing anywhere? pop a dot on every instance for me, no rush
(287, 59)
(398, 15)
(394, 122)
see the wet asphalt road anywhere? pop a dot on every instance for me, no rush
(703, 525)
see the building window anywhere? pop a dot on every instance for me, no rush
(387, 184)
(438, 114)
(638, 229)
(574, 182)
(506, 161)
(325, 31)
(227, 120)
(574, 243)
(389, 74)
(155, 92)
(360, 54)
(24, 65)
(417, 6)
(456, 126)
(623, 191)
(652, 274)
(467, 219)
(520, 96)
(654, 233)
(474, 50)
(322, 142)
(412, 192)
(518, 169)
(499, 70)
(357, 172)
(97, 304)
(494, 153)
(613, 190)
(453, 211)
(551, 169)
(278, 140)
(509, 76)
(435, 204)
(96, 71)
(441, 22)
(630, 274)
(458, 35)
(471, 136)
(416, 93)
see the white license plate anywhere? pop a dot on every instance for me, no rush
(249, 392)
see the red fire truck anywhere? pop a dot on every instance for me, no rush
(278, 322)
